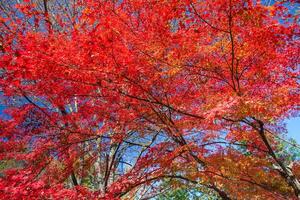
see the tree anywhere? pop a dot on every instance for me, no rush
(191, 91)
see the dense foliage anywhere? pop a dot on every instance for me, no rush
(127, 99)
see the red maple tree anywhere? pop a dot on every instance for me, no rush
(103, 98)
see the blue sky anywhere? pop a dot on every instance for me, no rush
(293, 126)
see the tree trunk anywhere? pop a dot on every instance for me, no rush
(284, 171)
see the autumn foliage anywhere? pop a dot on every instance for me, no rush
(113, 99)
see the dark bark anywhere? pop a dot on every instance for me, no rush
(74, 180)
